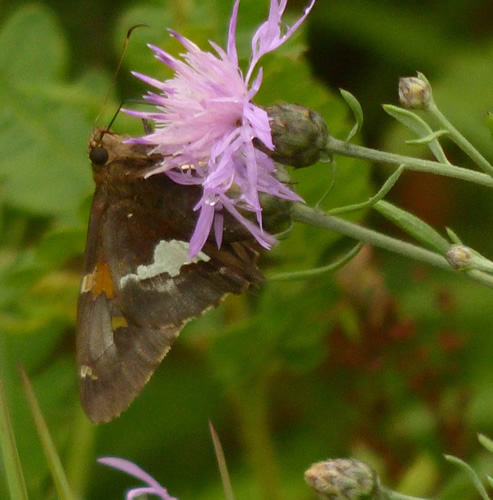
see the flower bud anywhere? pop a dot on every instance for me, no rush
(459, 257)
(298, 133)
(277, 212)
(343, 479)
(414, 93)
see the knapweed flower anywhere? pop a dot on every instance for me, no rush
(206, 123)
(153, 488)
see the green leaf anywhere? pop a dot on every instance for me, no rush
(357, 110)
(30, 35)
(415, 123)
(486, 442)
(414, 226)
(11, 460)
(44, 134)
(471, 473)
(303, 275)
(454, 238)
(387, 186)
(428, 138)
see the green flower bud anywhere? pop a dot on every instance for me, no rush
(298, 133)
(277, 212)
(343, 479)
(414, 93)
(459, 257)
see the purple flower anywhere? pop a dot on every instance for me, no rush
(205, 124)
(154, 487)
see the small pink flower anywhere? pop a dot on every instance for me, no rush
(153, 488)
(205, 118)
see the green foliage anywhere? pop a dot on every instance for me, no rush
(413, 226)
(40, 130)
(357, 110)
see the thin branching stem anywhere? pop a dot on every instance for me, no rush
(307, 215)
(335, 146)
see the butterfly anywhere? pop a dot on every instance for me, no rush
(139, 286)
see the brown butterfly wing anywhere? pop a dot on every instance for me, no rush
(139, 287)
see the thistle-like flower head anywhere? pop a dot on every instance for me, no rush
(206, 124)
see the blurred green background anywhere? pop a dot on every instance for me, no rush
(388, 361)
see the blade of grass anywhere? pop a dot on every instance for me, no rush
(11, 460)
(57, 473)
(221, 461)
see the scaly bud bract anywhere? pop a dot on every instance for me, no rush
(414, 93)
(343, 479)
(298, 133)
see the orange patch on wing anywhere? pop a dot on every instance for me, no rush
(98, 282)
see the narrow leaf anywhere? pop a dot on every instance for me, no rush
(486, 442)
(357, 110)
(453, 236)
(415, 123)
(283, 235)
(11, 460)
(471, 473)
(414, 226)
(428, 138)
(61, 483)
(334, 266)
(387, 186)
(221, 461)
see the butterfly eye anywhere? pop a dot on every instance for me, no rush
(98, 155)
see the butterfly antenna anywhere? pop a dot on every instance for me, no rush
(113, 82)
(114, 116)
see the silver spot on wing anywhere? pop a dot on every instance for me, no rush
(169, 257)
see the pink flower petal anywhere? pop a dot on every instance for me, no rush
(134, 470)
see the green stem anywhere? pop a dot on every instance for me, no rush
(251, 402)
(433, 167)
(388, 494)
(461, 141)
(303, 213)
